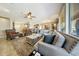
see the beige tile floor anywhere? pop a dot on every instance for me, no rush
(16, 47)
(6, 48)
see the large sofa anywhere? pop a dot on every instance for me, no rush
(70, 46)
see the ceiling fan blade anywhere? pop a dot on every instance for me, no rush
(33, 16)
(29, 15)
(25, 16)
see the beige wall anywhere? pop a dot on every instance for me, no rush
(48, 24)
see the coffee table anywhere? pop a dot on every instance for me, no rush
(33, 39)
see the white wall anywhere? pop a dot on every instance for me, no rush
(4, 24)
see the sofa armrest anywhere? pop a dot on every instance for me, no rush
(36, 45)
(51, 50)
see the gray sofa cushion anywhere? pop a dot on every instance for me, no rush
(51, 50)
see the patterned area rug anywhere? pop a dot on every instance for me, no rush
(22, 47)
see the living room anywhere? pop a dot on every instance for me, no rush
(38, 29)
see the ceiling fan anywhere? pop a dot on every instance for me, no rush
(29, 15)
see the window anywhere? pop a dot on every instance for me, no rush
(63, 18)
(74, 19)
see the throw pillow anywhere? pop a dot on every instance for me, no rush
(48, 38)
(70, 46)
(75, 50)
(59, 40)
(70, 43)
(55, 40)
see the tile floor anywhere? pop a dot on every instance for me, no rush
(6, 48)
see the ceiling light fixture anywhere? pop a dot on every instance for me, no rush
(29, 15)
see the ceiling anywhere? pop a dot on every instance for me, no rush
(42, 11)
